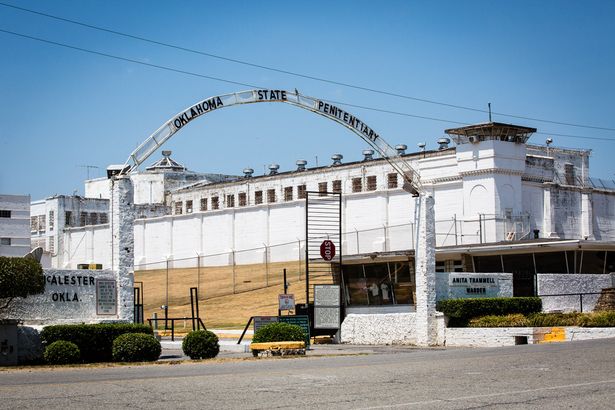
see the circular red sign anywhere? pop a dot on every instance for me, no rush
(327, 250)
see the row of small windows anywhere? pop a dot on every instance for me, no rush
(213, 203)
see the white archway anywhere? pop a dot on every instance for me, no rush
(412, 181)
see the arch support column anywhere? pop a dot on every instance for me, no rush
(122, 244)
(425, 271)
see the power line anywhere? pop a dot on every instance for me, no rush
(193, 74)
(296, 74)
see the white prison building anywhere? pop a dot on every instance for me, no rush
(501, 205)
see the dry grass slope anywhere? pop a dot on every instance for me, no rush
(227, 296)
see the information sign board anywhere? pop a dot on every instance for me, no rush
(286, 302)
(260, 321)
(302, 321)
(106, 297)
(327, 306)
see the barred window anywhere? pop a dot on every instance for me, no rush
(337, 185)
(189, 206)
(83, 218)
(230, 201)
(68, 218)
(42, 223)
(371, 183)
(51, 220)
(288, 193)
(301, 191)
(51, 246)
(203, 204)
(33, 223)
(103, 218)
(243, 199)
(357, 184)
(5, 241)
(5, 213)
(178, 207)
(322, 188)
(270, 195)
(392, 180)
(215, 202)
(93, 218)
(258, 197)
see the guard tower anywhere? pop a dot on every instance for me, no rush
(491, 160)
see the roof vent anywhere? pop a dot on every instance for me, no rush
(368, 154)
(401, 149)
(247, 172)
(337, 159)
(301, 163)
(273, 169)
(443, 143)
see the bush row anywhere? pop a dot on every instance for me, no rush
(279, 332)
(95, 341)
(594, 319)
(460, 311)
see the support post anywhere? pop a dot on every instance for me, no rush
(426, 331)
(122, 233)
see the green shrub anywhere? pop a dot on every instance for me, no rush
(597, 319)
(279, 332)
(201, 344)
(95, 341)
(62, 352)
(460, 311)
(20, 277)
(555, 319)
(512, 320)
(136, 347)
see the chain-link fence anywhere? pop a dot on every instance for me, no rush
(256, 275)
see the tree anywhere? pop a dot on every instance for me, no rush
(19, 277)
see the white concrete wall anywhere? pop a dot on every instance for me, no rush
(88, 244)
(505, 336)
(554, 284)
(69, 297)
(15, 229)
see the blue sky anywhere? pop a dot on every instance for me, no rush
(61, 109)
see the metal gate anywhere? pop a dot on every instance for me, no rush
(323, 222)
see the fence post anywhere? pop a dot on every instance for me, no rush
(233, 256)
(266, 266)
(455, 222)
(167, 291)
(384, 228)
(357, 232)
(299, 250)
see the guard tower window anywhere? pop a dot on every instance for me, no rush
(103, 218)
(301, 191)
(322, 188)
(243, 199)
(5, 213)
(270, 195)
(371, 183)
(83, 218)
(189, 207)
(203, 204)
(258, 197)
(178, 207)
(215, 202)
(392, 180)
(230, 201)
(337, 185)
(68, 218)
(569, 174)
(357, 184)
(288, 193)
(93, 218)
